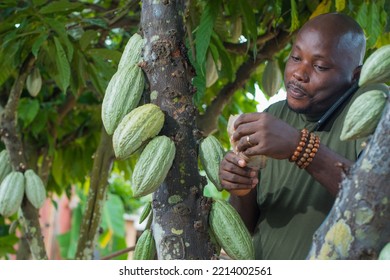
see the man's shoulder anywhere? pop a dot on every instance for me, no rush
(278, 108)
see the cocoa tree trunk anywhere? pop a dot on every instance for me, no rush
(29, 217)
(180, 212)
(101, 169)
(358, 225)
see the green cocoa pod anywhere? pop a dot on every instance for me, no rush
(272, 78)
(145, 212)
(11, 193)
(35, 189)
(137, 127)
(5, 165)
(145, 249)
(122, 95)
(385, 252)
(34, 82)
(376, 68)
(132, 52)
(230, 231)
(211, 154)
(363, 115)
(153, 165)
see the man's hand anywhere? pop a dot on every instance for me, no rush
(235, 177)
(263, 134)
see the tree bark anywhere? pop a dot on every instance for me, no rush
(358, 225)
(180, 212)
(96, 197)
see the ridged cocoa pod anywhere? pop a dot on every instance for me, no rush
(145, 212)
(145, 249)
(34, 82)
(211, 154)
(230, 231)
(35, 189)
(376, 68)
(272, 78)
(132, 52)
(153, 165)
(11, 193)
(211, 71)
(5, 165)
(122, 95)
(136, 128)
(363, 115)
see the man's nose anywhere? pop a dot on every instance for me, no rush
(300, 74)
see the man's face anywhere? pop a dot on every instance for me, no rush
(317, 72)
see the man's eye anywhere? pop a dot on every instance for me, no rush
(321, 68)
(294, 58)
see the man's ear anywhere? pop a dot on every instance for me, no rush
(356, 73)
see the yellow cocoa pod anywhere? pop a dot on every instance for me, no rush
(11, 193)
(230, 231)
(211, 71)
(35, 189)
(363, 115)
(272, 78)
(136, 128)
(34, 82)
(376, 68)
(145, 249)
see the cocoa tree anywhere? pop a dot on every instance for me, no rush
(77, 45)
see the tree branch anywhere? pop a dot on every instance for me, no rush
(13, 144)
(208, 122)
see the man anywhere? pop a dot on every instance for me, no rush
(293, 194)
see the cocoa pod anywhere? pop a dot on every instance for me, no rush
(35, 189)
(272, 78)
(211, 71)
(34, 82)
(11, 193)
(145, 249)
(376, 68)
(5, 165)
(211, 154)
(385, 252)
(230, 231)
(363, 115)
(136, 128)
(132, 53)
(122, 95)
(145, 212)
(153, 165)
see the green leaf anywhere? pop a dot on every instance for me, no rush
(38, 43)
(249, 20)
(113, 212)
(106, 54)
(374, 28)
(87, 38)
(28, 110)
(62, 66)
(62, 6)
(340, 5)
(57, 168)
(361, 17)
(59, 28)
(294, 16)
(6, 244)
(204, 31)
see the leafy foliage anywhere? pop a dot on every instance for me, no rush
(77, 46)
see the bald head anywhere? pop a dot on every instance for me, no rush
(345, 33)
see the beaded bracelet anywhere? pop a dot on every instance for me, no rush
(301, 145)
(310, 151)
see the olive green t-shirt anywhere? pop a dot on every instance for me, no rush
(292, 204)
